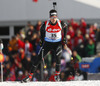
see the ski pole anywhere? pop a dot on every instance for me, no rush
(43, 59)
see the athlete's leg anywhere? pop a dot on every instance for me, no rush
(58, 57)
(46, 48)
(38, 60)
(58, 64)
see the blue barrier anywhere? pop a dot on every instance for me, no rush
(91, 67)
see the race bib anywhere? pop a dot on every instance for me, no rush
(53, 32)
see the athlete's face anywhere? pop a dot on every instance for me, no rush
(53, 19)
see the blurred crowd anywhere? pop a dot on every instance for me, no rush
(23, 48)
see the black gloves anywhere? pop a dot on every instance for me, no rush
(41, 43)
(64, 40)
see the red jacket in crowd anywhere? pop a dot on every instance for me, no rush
(70, 78)
(92, 34)
(21, 44)
(78, 40)
(74, 25)
(83, 27)
(71, 33)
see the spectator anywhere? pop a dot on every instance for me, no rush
(74, 24)
(63, 64)
(86, 40)
(53, 68)
(30, 32)
(34, 40)
(77, 59)
(37, 48)
(78, 39)
(66, 54)
(11, 76)
(17, 59)
(95, 27)
(27, 46)
(85, 75)
(33, 55)
(45, 75)
(70, 77)
(7, 70)
(27, 63)
(92, 33)
(7, 60)
(20, 76)
(69, 41)
(34, 79)
(62, 76)
(82, 26)
(71, 32)
(51, 77)
(90, 48)
(78, 76)
(70, 68)
(76, 56)
(26, 28)
(38, 26)
(98, 35)
(12, 45)
(37, 75)
(19, 70)
(80, 48)
(21, 53)
(21, 35)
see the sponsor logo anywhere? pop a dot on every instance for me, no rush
(85, 66)
(53, 30)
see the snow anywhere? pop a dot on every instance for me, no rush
(67, 83)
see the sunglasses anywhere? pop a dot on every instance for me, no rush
(53, 17)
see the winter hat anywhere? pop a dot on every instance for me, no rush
(53, 12)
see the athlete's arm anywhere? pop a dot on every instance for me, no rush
(42, 32)
(64, 27)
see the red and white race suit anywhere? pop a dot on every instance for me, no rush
(53, 32)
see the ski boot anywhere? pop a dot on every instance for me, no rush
(28, 78)
(56, 76)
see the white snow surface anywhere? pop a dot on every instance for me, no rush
(67, 83)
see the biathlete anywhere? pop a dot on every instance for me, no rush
(51, 39)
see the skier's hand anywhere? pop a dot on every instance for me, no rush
(41, 43)
(64, 41)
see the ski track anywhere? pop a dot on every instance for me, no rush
(67, 83)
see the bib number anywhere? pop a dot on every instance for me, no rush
(53, 36)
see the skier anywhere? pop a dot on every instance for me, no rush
(51, 39)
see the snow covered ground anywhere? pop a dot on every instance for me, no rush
(68, 83)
